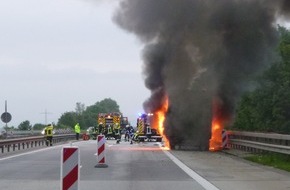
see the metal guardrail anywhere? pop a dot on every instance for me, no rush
(8, 145)
(247, 141)
(28, 133)
(259, 142)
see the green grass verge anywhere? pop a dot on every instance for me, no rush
(276, 160)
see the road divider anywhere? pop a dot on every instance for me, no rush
(101, 153)
(70, 170)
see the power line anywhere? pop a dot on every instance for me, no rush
(45, 115)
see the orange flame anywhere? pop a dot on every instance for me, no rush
(160, 118)
(215, 143)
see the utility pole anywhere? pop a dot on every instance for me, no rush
(45, 115)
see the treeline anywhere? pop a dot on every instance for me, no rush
(85, 116)
(267, 108)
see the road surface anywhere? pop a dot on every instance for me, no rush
(139, 167)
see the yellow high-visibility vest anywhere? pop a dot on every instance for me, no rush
(77, 128)
(48, 131)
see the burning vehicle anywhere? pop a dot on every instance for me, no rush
(200, 57)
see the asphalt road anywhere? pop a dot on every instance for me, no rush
(139, 167)
(130, 167)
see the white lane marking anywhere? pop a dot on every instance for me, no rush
(203, 182)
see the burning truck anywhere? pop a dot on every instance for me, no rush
(201, 56)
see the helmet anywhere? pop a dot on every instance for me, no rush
(101, 123)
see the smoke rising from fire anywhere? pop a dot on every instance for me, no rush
(200, 50)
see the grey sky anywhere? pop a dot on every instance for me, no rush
(54, 53)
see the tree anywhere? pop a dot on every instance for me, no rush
(88, 117)
(268, 107)
(38, 126)
(68, 119)
(80, 108)
(105, 106)
(25, 125)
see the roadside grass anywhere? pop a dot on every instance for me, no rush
(281, 161)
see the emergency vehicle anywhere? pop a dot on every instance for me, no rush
(112, 124)
(145, 132)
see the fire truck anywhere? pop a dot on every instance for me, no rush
(145, 132)
(111, 124)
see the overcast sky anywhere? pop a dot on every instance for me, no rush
(55, 53)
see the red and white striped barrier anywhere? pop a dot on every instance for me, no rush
(225, 139)
(70, 174)
(101, 152)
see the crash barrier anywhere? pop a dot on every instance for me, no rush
(101, 152)
(9, 145)
(259, 142)
(70, 172)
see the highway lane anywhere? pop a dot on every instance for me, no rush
(139, 167)
(130, 167)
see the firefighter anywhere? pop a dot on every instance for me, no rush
(117, 132)
(100, 128)
(105, 130)
(109, 132)
(135, 136)
(95, 132)
(131, 134)
(77, 131)
(48, 133)
(127, 133)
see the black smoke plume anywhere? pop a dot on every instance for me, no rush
(198, 51)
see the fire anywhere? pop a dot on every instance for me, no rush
(160, 116)
(215, 143)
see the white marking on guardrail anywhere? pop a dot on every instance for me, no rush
(203, 182)
(27, 153)
(35, 151)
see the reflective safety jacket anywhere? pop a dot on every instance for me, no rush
(116, 126)
(109, 130)
(77, 128)
(48, 131)
(96, 130)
